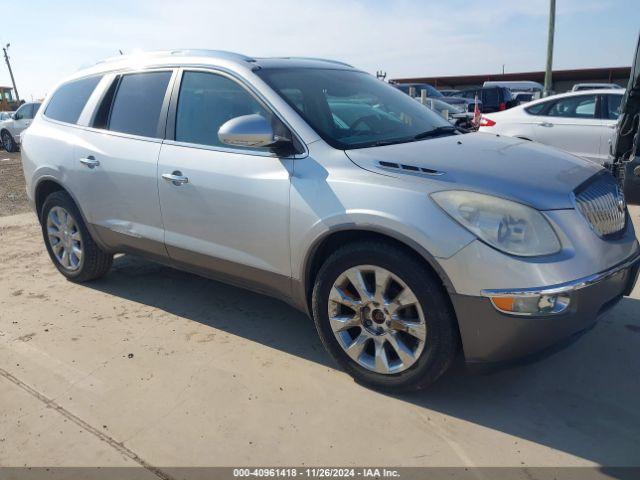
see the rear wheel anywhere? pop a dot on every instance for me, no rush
(70, 246)
(8, 142)
(384, 317)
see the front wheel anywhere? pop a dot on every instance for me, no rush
(8, 142)
(384, 317)
(69, 243)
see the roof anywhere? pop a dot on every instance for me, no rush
(207, 57)
(584, 74)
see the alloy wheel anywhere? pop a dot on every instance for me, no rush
(377, 319)
(65, 238)
(7, 142)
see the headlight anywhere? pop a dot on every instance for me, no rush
(508, 226)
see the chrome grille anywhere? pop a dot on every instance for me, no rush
(601, 202)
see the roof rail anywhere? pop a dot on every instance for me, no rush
(337, 62)
(211, 53)
(182, 52)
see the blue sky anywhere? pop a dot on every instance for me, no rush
(51, 39)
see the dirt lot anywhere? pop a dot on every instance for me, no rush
(13, 197)
(152, 366)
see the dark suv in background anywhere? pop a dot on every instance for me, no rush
(494, 99)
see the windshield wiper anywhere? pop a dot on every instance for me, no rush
(436, 132)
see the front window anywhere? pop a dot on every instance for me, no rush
(206, 102)
(351, 109)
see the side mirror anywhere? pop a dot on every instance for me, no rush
(250, 131)
(15, 116)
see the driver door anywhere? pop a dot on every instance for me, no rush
(229, 213)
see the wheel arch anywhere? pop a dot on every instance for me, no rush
(47, 185)
(338, 237)
(44, 188)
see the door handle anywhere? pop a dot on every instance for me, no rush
(176, 178)
(90, 161)
(545, 124)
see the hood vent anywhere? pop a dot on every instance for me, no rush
(409, 168)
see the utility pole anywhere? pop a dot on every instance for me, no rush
(6, 59)
(548, 81)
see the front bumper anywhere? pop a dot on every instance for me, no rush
(491, 336)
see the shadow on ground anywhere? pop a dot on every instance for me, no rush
(583, 400)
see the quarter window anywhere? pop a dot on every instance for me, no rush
(537, 109)
(208, 100)
(138, 102)
(67, 102)
(583, 106)
(613, 106)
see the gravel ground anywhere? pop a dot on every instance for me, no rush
(156, 368)
(13, 197)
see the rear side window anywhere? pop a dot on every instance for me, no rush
(67, 102)
(208, 100)
(491, 96)
(613, 106)
(574, 107)
(138, 102)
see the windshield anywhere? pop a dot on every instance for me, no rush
(351, 109)
(440, 106)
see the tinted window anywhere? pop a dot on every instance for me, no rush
(491, 96)
(574, 107)
(207, 101)
(537, 109)
(69, 100)
(136, 107)
(613, 106)
(25, 111)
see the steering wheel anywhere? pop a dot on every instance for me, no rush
(364, 120)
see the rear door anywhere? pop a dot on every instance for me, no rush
(610, 111)
(572, 124)
(115, 161)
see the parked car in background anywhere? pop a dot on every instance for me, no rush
(516, 85)
(6, 116)
(624, 159)
(456, 115)
(595, 86)
(521, 97)
(11, 128)
(433, 93)
(494, 99)
(408, 241)
(449, 92)
(579, 122)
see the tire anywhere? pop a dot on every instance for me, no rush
(70, 230)
(373, 259)
(8, 143)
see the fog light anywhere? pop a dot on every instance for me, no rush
(531, 304)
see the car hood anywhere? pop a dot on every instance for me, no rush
(519, 170)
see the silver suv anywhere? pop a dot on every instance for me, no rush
(308, 180)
